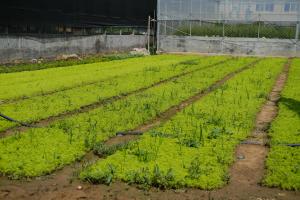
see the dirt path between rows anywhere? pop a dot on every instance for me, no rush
(87, 108)
(249, 169)
(63, 184)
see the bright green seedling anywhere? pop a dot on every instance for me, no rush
(32, 83)
(42, 150)
(41, 107)
(283, 163)
(197, 145)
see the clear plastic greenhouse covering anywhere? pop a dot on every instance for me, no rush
(278, 19)
(186, 9)
(233, 10)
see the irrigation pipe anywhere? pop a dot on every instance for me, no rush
(15, 121)
(292, 145)
(124, 133)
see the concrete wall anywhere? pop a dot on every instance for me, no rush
(238, 46)
(25, 47)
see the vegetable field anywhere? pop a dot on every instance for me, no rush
(187, 113)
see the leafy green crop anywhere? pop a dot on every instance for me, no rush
(40, 151)
(40, 107)
(32, 83)
(239, 30)
(195, 148)
(283, 163)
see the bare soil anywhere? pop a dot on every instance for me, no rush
(246, 173)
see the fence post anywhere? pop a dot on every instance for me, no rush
(297, 31)
(149, 32)
(259, 24)
(223, 29)
(258, 30)
(191, 5)
(296, 37)
(223, 37)
(158, 16)
(165, 27)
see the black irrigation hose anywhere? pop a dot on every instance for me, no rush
(16, 121)
(293, 145)
(124, 133)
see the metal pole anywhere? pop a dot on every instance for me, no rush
(165, 27)
(224, 17)
(258, 30)
(154, 28)
(166, 12)
(298, 23)
(149, 32)
(200, 4)
(223, 29)
(181, 17)
(158, 16)
(297, 31)
(191, 5)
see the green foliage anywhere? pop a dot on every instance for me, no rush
(44, 106)
(161, 180)
(103, 150)
(52, 147)
(283, 168)
(205, 134)
(141, 177)
(239, 30)
(145, 179)
(36, 83)
(189, 62)
(193, 149)
(102, 177)
(194, 169)
(283, 163)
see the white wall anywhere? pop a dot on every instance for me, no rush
(232, 46)
(13, 47)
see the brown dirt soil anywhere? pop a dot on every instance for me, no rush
(86, 108)
(63, 184)
(248, 171)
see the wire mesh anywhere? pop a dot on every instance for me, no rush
(71, 30)
(230, 18)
